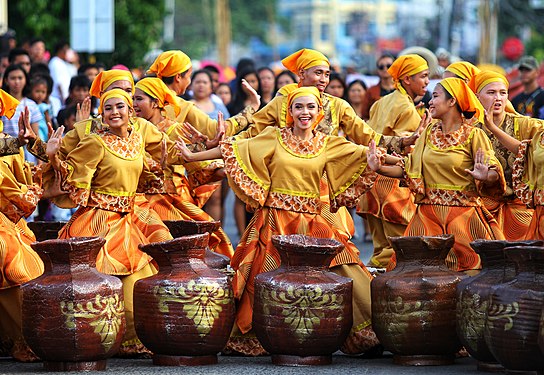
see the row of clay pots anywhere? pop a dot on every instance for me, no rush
(424, 313)
(500, 315)
(185, 313)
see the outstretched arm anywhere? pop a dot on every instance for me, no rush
(374, 163)
(53, 146)
(187, 155)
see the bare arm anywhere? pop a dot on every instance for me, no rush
(375, 164)
(506, 140)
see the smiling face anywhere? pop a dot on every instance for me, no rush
(416, 85)
(144, 105)
(440, 104)
(317, 76)
(494, 95)
(304, 111)
(116, 114)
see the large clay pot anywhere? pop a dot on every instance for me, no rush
(302, 312)
(473, 298)
(73, 315)
(413, 306)
(180, 228)
(541, 334)
(185, 313)
(515, 308)
(46, 230)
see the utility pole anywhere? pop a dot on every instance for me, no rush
(223, 31)
(488, 14)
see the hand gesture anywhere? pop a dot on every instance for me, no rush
(184, 152)
(253, 96)
(425, 121)
(83, 110)
(220, 132)
(164, 154)
(54, 142)
(488, 117)
(373, 157)
(481, 166)
(191, 134)
(26, 134)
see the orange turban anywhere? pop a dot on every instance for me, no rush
(304, 59)
(407, 65)
(9, 104)
(465, 97)
(170, 63)
(157, 89)
(287, 89)
(305, 91)
(106, 78)
(484, 78)
(463, 70)
(115, 93)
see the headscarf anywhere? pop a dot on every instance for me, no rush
(463, 70)
(465, 97)
(406, 65)
(304, 59)
(287, 89)
(484, 78)
(157, 89)
(115, 93)
(106, 78)
(305, 91)
(9, 104)
(170, 63)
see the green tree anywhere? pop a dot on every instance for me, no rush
(138, 26)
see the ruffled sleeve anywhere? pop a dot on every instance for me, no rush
(523, 173)
(246, 165)
(497, 189)
(347, 172)
(78, 170)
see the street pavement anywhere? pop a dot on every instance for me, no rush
(342, 364)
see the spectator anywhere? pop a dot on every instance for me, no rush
(36, 50)
(89, 70)
(61, 71)
(78, 89)
(224, 92)
(531, 101)
(21, 57)
(337, 86)
(268, 82)
(385, 85)
(356, 94)
(241, 96)
(285, 77)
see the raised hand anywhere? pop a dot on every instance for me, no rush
(184, 152)
(83, 110)
(220, 132)
(425, 121)
(26, 134)
(372, 157)
(254, 97)
(54, 143)
(481, 166)
(488, 117)
(191, 134)
(164, 154)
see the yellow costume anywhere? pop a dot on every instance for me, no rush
(389, 207)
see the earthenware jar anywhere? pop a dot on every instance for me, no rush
(473, 298)
(185, 313)
(514, 311)
(179, 228)
(73, 315)
(413, 306)
(302, 312)
(46, 230)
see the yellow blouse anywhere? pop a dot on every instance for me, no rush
(516, 126)
(103, 170)
(20, 191)
(394, 114)
(277, 169)
(435, 169)
(528, 171)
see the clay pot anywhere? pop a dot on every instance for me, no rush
(180, 228)
(541, 335)
(413, 306)
(73, 315)
(46, 230)
(473, 298)
(514, 311)
(185, 313)
(302, 312)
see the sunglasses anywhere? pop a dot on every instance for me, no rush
(384, 66)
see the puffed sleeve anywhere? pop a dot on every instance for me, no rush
(347, 172)
(78, 170)
(246, 165)
(353, 126)
(481, 140)
(526, 127)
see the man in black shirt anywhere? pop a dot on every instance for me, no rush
(531, 101)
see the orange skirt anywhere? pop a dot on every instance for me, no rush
(120, 255)
(19, 263)
(513, 217)
(465, 223)
(255, 253)
(174, 207)
(535, 231)
(148, 221)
